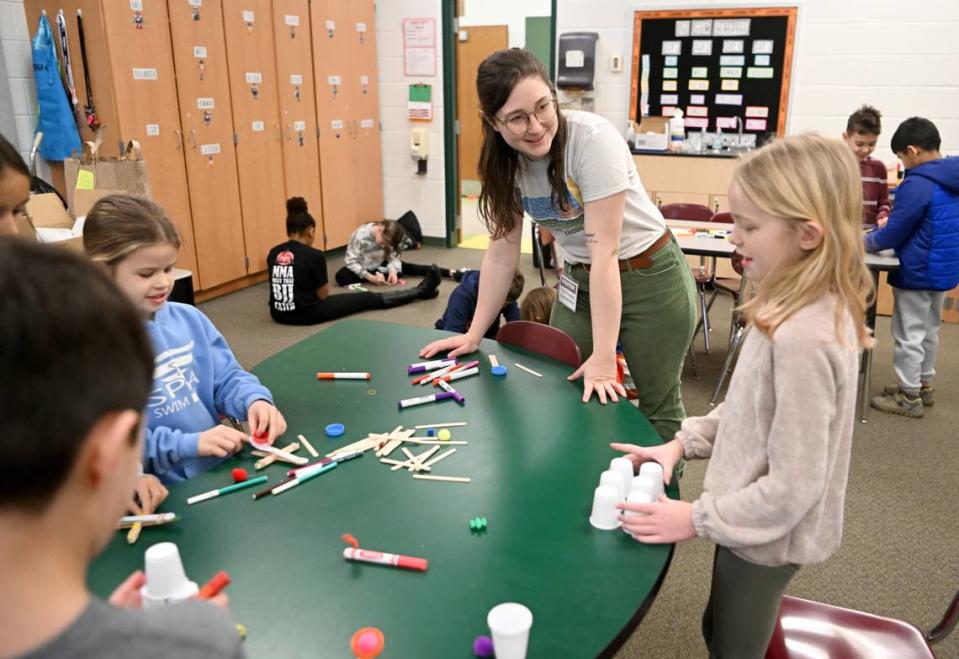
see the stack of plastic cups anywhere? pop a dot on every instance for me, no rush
(166, 580)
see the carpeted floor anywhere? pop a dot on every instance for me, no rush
(899, 555)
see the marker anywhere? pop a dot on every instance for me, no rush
(427, 377)
(325, 461)
(420, 400)
(212, 494)
(428, 366)
(394, 560)
(343, 376)
(456, 369)
(458, 375)
(214, 586)
(302, 478)
(146, 520)
(445, 386)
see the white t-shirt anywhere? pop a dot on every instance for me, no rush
(598, 165)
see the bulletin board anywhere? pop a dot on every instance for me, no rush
(719, 66)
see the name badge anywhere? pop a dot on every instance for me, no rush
(568, 290)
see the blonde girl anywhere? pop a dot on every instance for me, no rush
(779, 445)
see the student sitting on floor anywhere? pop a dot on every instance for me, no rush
(80, 367)
(373, 256)
(538, 305)
(197, 379)
(299, 288)
(462, 305)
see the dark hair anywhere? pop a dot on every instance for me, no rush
(865, 120)
(516, 287)
(74, 349)
(10, 157)
(538, 304)
(120, 224)
(298, 219)
(393, 235)
(918, 132)
(499, 206)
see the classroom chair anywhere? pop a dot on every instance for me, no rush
(543, 339)
(808, 630)
(737, 322)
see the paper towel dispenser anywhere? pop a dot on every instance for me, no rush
(577, 60)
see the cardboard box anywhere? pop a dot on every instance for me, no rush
(652, 134)
(49, 222)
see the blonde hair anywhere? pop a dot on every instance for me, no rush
(120, 224)
(538, 305)
(810, 178)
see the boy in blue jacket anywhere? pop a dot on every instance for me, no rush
(462, 304)
(924, 230)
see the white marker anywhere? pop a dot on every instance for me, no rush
(420, 400)
(343, 376)
(148, 520)
(458, 375)
(428, 366)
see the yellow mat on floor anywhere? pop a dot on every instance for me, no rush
(482, 242)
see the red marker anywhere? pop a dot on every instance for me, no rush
(214, 586)
(394, 560)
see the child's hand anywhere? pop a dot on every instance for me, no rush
(667, 455)
(148, 494)
(220, 441)
(376, 278)
(266, 422)
(664, 522)
(599, 375)
(882, 218)
(127, 594)
(460, 344)
(392, 278)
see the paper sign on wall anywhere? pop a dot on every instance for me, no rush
(702, 28)
(668, 110)
(732, 45)
(761, 60)
(757, 111)
(153, 130)
(682, 28)
(731, 27)
(299, 125)
(205, 104)
(291, 20)
(671, 60)
(210, 149)
(730, 72)
(145, 74)
(672, 48)
(366, 123)
(696, 122)
(668, 99)
(257, 126)
(763, 46)
(702, 47)
(732, 60)
(697, 111)
(755, 124)
(199, 52)
(697, 99)
(729, 99)
(699, 85)
(669, 85)
(296, 79)
(729, 85)
(254, 77)
(419, 46)
(670, 72)
(700, 72)
(334, 80)
(759, 72)
(336, 124)
(727, 122)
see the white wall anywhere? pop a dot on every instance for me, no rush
(901, 57)
(19, 89)
(511, 13)
(403, 189)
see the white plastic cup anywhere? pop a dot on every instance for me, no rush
(653, 469)
(166, 580)
(605, 514)
(509, 625)
(636, 496)
(648, 484)
(623, 466)
(615, 479)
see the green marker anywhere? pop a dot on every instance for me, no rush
(303, 478)
(212, 494)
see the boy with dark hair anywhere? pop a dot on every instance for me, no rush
(924, 230)
(861, 134)
(462, 304)
(71, 459)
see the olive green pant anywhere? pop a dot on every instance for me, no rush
(743, 606)
(657, 323)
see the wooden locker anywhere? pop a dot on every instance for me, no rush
(248, 26)
(333, 37)
(366, 124)
(199, 54)
(296, 93)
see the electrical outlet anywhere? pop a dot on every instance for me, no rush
(616, 63)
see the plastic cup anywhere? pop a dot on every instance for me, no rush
(648, 484)
(623, 466)
(605, 514)
(636, 496)
(614, 479)
(166, 580)
(653, 469)
(509, 625)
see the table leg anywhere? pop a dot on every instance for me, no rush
(865, 367)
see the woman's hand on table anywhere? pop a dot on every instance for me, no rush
(460, 344)
(599, 376)
(667, 455)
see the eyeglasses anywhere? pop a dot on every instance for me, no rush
(518, 122)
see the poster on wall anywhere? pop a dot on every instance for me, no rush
(419, 46)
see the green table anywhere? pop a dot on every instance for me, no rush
(534, 455)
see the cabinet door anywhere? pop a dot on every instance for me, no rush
(144, 85)
(199, 54)
(296, 93)
(248, 26)
(364, 90)
(333, 39)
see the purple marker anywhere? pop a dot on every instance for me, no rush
(457, 396)
(420, 400)
(421, 367)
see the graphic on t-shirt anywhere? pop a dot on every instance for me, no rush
(546, 214)
(175, 382)
(281, 279)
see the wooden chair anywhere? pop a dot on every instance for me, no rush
(542, 339)
(811, 629)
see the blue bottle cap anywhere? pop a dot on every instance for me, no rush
(335, 430)
(499, 370)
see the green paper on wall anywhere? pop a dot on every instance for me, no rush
(421, 93)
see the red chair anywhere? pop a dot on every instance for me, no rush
(808, 630)
(691, 212)
(543, 339)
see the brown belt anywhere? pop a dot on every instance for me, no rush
(642, 260)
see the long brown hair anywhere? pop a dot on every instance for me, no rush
(120, 224)
(499, 206)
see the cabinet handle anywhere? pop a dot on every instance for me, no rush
(193, 138)
(179, 139)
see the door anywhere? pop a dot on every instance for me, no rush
(199, 54)
(365, 115)
(248, 26)
(296, 93)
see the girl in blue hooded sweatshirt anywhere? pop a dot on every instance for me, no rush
(196, 380)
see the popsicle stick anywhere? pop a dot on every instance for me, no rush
(270, 459)
(397, 465)
(455, 424)
(436, 442)
(528, 370)
(426, 454)
(408, 453)
(493, 361)
(134, 533)
(309, 447)
(441, 456)
(447, 479)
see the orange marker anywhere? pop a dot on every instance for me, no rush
(214, 586)
(343, 376)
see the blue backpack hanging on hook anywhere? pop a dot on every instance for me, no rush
(60, 136)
